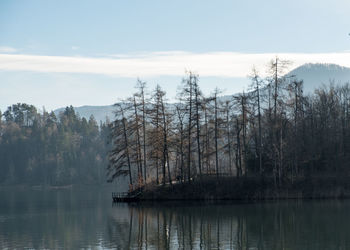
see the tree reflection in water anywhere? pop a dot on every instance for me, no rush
(81, 219)
(270, 225)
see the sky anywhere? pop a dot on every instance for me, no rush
(59, 53)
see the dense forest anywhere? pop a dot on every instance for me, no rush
(272, 131)
(38, 148)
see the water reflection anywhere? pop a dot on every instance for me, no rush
(52, 219)
(283, 225)
(75, 219)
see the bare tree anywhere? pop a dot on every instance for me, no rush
(241, 101)
(215, 110)
(142, 86)
(276, 69)
(155, 114)
(256, 85)
(119, 157)
(138, 143)
(227, 111)
(181, 136)
(165, 137)
(197, 100)
(186, 96)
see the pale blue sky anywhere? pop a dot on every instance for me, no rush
(139, 29)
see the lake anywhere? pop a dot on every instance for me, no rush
(86, 218)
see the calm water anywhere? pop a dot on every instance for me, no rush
(73, 219)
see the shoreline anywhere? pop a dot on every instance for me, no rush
(249, 189)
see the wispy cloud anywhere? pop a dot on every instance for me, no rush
(7, 49)
(172, 63)
(75, 47)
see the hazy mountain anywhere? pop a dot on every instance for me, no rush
(99, 112)
(314, 75)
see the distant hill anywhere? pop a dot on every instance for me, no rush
(99, 112)
(314, 75)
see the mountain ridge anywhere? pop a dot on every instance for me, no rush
(314, 75)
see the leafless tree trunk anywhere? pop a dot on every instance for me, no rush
(138, 143)
(141, 86)
(197, 117)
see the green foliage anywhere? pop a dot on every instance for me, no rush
(39, 149)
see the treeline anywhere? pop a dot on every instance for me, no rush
(273, 131)
(42, 149)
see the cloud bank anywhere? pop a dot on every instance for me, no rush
(173, 63)
(6, 49)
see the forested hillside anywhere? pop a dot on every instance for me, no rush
(42, 149)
